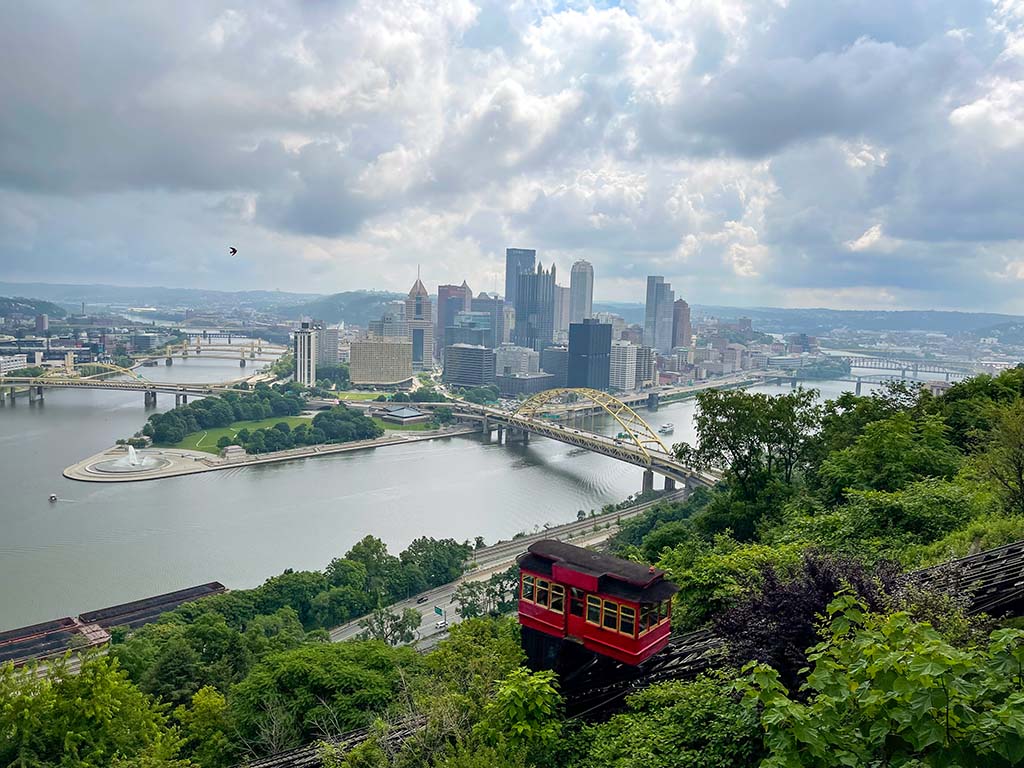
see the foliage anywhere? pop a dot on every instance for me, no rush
(221, 411)
(206, 727)
(712, 577)
(777, 621)
(1003, 459)
(284, 366)
(391, 628)
(884, 690)
(335, 374)
(291, 697)
(480, 395)
(524, 714)
(89, 719)
(889, 455)
(696, 724)
(494, 596)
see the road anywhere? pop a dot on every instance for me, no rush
(496, 558)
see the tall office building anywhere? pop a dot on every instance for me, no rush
(419, 324)
(391, 325)
(474, 328)
(511, 360)
(590, 344)
(328, 344)
(645, 367)
(555, 360)
(581, 292)
(517, 262)
(561, 309)
(381, 361)
(42, 323)
(305, 355)
(451, 299)
(682, 331)
(535, 308)
(658, 314)
(495, 307)
(622, 366)
(467, 365)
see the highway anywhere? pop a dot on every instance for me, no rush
(496, 558)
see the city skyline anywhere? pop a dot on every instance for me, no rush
(632, 138)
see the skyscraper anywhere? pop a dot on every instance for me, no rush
(581, 292)
(419, 323)
(658, 314)
(305, 355)
(622, 372)
(517, 262)
(590, 344)
(535, 308)
(561, 309)
(496, 308)
(468, 365)
(451, 299)
(682, 332)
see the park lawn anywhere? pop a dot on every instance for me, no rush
(421, 427)
(357, 395)
(206, 439)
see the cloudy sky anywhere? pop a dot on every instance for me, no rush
(770, 152)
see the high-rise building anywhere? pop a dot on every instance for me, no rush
(467, 365)
(622, 366)
(495, 307)
(474, 328)
(419, 324)
(517, 262)
(535, 308)
(617, 322)
(305, 355)
(645, 367)
(42, 323)
(555, 360)
(581, 292)
(590, 345)
(682, 331)
(391, 325)
(328, 344)
(511, 360)
(509, 324)
(658, 314)
(382, 362)
(451, 299)
(561, 310)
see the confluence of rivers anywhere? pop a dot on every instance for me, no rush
(103, 544)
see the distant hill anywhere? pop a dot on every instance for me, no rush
(1011, 334)
(118, 295)
(352, 307)
(821, 321)
(22, 306)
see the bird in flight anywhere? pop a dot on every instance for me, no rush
(232, 251)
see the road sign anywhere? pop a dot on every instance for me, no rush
(438, 611)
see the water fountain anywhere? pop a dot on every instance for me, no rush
(133, 461)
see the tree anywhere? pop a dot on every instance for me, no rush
(90, 719)
(391, 628)
(885, 690)
(205, 725)
(698, 724)
(524, 714)
(1003, 459)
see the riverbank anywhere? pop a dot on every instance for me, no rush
(173, 462)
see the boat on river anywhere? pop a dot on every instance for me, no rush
(667, 428)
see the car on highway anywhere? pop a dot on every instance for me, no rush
(442, 624)
(421, 600)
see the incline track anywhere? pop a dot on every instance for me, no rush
(992, 581)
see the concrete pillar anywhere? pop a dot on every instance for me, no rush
(169, 360)
(526, 437)
(184, 399)
(12, 395)
(858, 386)
(32, 395)
(648, 481)
(501, 433)
(241, 363)
(177, 400)
(670, 484)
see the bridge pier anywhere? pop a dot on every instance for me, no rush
(241, 363)
(150, 398)
(670, 484)
(648, 485)
(169, 360)
(858, 386)
(501, 433)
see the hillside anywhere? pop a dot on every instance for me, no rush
(23, 306)
(73, 295)
(353, 307)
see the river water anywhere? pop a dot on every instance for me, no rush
(102, 544)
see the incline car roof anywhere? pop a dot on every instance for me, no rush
(595, 563)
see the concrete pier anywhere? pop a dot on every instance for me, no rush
(648, 481)
(670, 484)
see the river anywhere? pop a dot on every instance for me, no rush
(102, 544)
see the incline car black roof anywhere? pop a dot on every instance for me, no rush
(595, 563)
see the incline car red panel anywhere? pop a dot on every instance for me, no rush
(611, 606)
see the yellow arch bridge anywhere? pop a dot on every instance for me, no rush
(550, 414)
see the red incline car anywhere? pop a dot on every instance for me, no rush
(613, 607)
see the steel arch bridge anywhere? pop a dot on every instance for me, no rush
(640, 433)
